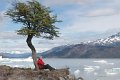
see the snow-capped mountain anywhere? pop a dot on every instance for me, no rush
(101, 48)
(112, 40)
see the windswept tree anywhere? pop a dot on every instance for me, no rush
(37, 21)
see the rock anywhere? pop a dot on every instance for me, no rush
(9, 73)
(80, 78)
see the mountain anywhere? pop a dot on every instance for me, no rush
(113, 40)
(101, 48)
(9, 55)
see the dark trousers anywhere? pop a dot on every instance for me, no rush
(47, 66)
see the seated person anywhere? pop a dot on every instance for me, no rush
(42, 65)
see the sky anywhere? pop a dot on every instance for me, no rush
(82, 20)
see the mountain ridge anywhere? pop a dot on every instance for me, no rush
(101, 48)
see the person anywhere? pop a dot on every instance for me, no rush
(42, 65)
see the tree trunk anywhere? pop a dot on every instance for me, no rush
(34, 55)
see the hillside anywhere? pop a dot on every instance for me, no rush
(101, 48)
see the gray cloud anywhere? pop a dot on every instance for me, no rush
(101, 12)
(75, 2)
(12, 40)
(10, 35)
(66, 2)
(3, 19)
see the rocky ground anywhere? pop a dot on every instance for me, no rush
(9, 73)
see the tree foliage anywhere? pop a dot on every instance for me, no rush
(37, 20)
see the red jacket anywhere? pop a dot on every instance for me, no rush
(40, 63)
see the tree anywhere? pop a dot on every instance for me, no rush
(37, 22)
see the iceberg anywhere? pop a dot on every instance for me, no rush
(101, 61)
(29, 59)
(110, 72)
(89, 69)
(1, 58)
(77, 73)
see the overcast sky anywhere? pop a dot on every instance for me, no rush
(81, 20)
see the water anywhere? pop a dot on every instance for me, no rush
(89, 69)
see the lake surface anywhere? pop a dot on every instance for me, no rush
(89, 69)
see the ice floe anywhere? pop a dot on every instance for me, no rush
(1, 58)
(112, 71)
(89, 69)
(103, 62)
(29, 59)
(77, 73)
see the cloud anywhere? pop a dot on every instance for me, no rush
(75, 2)
(101, 12)
(61, 2)
(10, 36)
(67, 2)
(3, 19)
(1, 16)
(97, 22)
(12, 41)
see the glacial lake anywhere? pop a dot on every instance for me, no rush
(89, 69)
